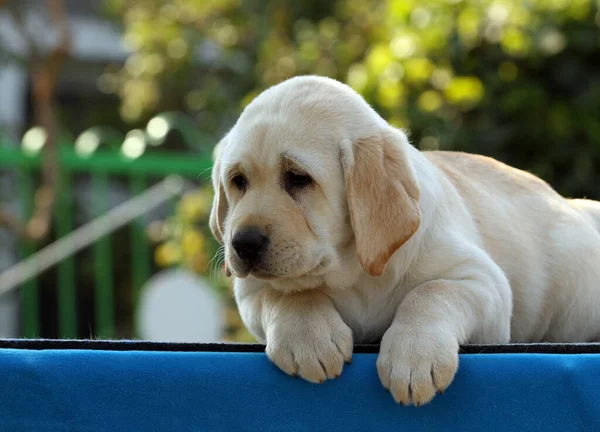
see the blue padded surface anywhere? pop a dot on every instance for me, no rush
(85, 390)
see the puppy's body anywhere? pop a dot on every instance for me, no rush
(540, 240)
(339, 231)
(546, 245)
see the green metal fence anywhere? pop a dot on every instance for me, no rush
(101, 153)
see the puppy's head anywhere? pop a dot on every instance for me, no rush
(309, 179)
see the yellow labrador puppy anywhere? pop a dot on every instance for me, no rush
(337, 231)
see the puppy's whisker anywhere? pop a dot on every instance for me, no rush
(217, 263)
(218, 254)
(214, 263)
(203, 172)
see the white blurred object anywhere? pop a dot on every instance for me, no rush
(178, 306)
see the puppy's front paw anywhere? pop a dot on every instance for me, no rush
(314, 346)
(413, 365)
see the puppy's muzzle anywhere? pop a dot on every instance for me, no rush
(250, 245)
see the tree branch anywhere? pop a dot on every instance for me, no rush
(44, 79)
(44, 74)
(11, 222)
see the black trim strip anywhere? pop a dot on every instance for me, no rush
(134, 345)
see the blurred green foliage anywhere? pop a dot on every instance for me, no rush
(516, 80)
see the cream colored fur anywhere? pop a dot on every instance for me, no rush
(423, 251)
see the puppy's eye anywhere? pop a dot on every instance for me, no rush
(296, 181)
(239, 181)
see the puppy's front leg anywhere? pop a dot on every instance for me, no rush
(419, 352)
(303, 332)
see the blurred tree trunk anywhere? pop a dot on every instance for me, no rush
(44, 71)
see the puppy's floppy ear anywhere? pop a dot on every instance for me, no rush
(383, 197)
(220, 204)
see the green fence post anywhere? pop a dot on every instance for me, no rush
(103, 269)
(30, 316)
(67, 300)
(140, 270)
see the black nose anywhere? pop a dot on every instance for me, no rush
(249, 244)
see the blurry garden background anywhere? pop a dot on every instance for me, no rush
(102, 99)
